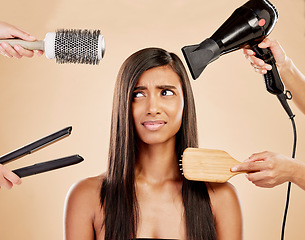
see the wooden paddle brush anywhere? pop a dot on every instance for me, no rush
(207, 165)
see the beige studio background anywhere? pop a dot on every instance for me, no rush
(235, 112)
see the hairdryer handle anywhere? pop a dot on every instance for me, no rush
(272, 78)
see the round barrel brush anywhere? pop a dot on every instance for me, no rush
(68, 46)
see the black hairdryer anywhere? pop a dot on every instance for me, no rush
(247, 26)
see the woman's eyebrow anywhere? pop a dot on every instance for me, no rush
(166, 87)
(158, 86)
(140, 88)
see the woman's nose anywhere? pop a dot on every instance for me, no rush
(153, 106)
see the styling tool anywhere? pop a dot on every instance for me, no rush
(68, 45)
(37, 145)
(246, 27)
(209, 165)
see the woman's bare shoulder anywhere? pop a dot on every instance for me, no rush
(86, 191)
(224, 199)
(221, 189)
(83, 209)
(223, 195)
(226, 209)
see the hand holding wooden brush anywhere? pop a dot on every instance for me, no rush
(207, 165)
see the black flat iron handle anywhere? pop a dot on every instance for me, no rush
(48, 166)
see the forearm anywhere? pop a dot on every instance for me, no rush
(298, 173)
(294, 81)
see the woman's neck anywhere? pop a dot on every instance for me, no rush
(157, 162)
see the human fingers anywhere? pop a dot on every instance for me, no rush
(256, 162)
(12, 177)
(39, 53)
(261, 156)
(258, 64)
(9, 51)
(3, 52)
(23, 52)
(17, 51)
(19, 33)
(277, 51)
(261, 69)
(265, 178)
(261, 181)
(5, 183)
(248, 166)
(248, 52)
(8, 178)
(266, 43)
(10, 31)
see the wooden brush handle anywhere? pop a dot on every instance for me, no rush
(36, 45)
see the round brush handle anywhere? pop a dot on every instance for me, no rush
(36, 45)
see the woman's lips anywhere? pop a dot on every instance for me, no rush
(153, 125)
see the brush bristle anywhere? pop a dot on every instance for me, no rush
(77, 46)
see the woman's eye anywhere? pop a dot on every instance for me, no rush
(167, 93)
(138, 94)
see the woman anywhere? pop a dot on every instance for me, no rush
(143, 194)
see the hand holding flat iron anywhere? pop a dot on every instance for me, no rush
(8, 178)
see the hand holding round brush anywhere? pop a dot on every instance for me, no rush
(67, 46)
(8, 31)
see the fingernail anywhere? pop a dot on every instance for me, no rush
(39, 53)
(234, 169)
(4, 44)
(32, 37)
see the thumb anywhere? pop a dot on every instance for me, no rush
(15, 32)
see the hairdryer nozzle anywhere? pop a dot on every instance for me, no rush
(248, 25)
(199, 56)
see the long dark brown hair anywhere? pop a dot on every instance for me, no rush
(118, 195)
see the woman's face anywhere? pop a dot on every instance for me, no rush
(157, 105)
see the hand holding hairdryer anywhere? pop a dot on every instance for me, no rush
(247, 26)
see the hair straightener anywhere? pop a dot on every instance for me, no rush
(37, 145)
